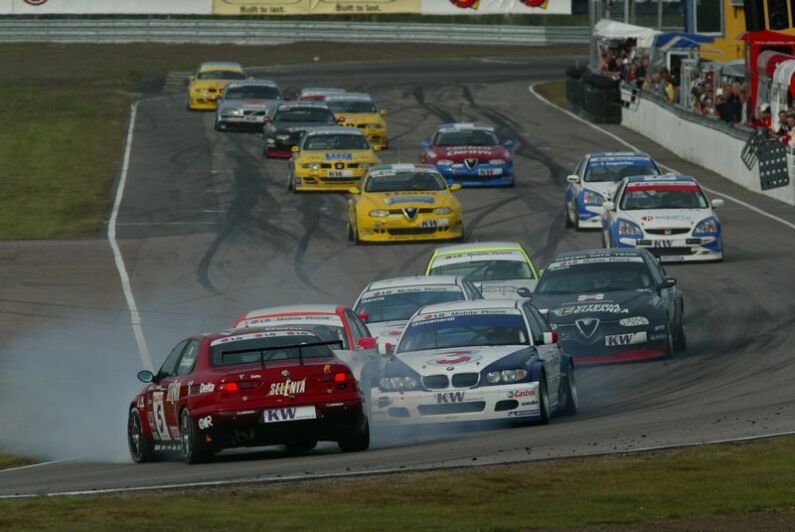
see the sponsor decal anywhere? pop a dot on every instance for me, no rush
(276, 415)
(608, 308)
(140, 402)
(293, 319)
(587, 326)
(338, 156)
(205, 422)
(173, 392)
(590, 297)
(207, 388)
(252, 336)
(520, 413)
(614, 340)
(593, 259)
(454, 358)
(519, 394)
(160, 416)
(449, 397)
(662, 243)
(287, 388)
(35, 2)
(410, 199)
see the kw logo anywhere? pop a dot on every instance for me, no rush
(619, 339)
(280, 414)
(449, 397)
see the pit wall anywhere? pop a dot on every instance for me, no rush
(702, 141)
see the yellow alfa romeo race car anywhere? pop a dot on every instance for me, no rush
(209, 81)
(356, 109)
(399, 202)
(329, 158)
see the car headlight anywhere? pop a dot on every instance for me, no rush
(444, 162)
(233, 112)
(497, 161)
(379, 213)
(506, 376)
(710, 225)
(399, 384)
(283, 137)
(311, 166)
(589, 197)
(627, 228)
(634, 321)
(443, 210)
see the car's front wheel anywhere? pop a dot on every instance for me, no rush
(567, 215)
(571, 401)
(543, 401)
(142, 449)
(358, 440)
(194, 451)
(680, 337)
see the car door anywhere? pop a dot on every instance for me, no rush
(667, 295)
(548, 353)
(572, 189)
(159, 392)
(609, 216)
(367, 360)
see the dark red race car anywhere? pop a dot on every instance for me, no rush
(261, 386)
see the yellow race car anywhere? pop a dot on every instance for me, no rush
(356, 109)
(399, 202)
(329, 158)
(209, 81)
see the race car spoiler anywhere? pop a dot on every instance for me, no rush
(300, 347)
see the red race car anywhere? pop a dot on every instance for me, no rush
(252, 387)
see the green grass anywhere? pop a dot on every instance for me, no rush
(554, 91)
(7, 460)
(704, 481)
(64, 108)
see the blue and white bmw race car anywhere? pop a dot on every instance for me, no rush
(669, 215)
(474, 361)
(595, 180)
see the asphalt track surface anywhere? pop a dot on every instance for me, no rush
(208, 230)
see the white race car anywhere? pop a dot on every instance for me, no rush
(474, 361)
(669, 215)
(500, 270)
(388, 304)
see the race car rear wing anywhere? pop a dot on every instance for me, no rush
(300, 347)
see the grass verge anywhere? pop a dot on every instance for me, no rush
(7, 460)
(692, 483)
(554, 91)
(64, 108)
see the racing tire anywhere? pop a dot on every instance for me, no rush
(290, 183)
(463, 236)
(543, 402)
(300, 446)
(142, 449)
(571, 401)
(576, 222)
(669, 350)
(358, 440)
(680, 337)
(355, 236)
(566, 216)
(194, 451)
(350, 232)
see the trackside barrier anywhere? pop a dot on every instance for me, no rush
(594, 97)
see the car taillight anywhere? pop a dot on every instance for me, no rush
(229, 387)
(236, 386)
(340, 377)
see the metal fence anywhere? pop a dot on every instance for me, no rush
(225, 31)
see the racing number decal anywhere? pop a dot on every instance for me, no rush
(160, 416)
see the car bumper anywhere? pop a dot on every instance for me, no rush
(684, 249)
(494, 175)
(615, 344)
(510, 402)
(377, 139)
(436, 228)
(589, 216)
(319, 182)
(203, 102)
(228, 122)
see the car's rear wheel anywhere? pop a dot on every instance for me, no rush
(142, 449)
(194, 451)
(290, 180)
(669, 342)
(571, 400)
(359, 438)
(300, 446)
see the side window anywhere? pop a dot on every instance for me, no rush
(474, 289)
(542, 321)
(188, 360)
(169, 367)
(358, 325)
(467, 291)
(538, 324)
(657, 272)
(619, 191)
(581, 168)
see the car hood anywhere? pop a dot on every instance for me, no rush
(505, 289)
(461, 153)
(667, 218)
(245, 104)
(399, 200)
(360, 118)
(387, 331)
(605, 188)
(298, 127)
(316, 156)
(458, 360)
(568, 308)
(210, 83)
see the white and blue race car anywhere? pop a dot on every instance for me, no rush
(595, 180)
(669, 215)
(474, 361)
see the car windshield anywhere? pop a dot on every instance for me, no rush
(408, 181)
(466, 137)
(672, 196)
(252, 93)
(321, 116)
(595, 275)
(221, 74)
(252, 350)
(486, 270)
(464, 329)
(343, 141)
(603, 169)
(401, 303)
(352, 107)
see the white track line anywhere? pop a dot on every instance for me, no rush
(615, 137)
(135, 316)
(40, 464)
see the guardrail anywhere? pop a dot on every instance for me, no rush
(226, 31)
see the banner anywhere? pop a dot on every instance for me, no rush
(420, 7)
(105, 7)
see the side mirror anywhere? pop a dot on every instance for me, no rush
(668, 282)
(146, 376)
(524, 292)
(295, 149)
(716, 203)
(509, 143)
(267, 120)
(353, 190)
(363, 315)
(549, 338)
(573, 178)
(425, 144)
(367, 343)
(382, 112)
(455, 186)
(192, 79)
(340, 119)
(608, 206)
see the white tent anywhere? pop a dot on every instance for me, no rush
(612, 29)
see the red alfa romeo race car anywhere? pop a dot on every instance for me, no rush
(253, 387)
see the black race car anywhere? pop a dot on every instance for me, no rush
(284, 128)
(615, 305)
